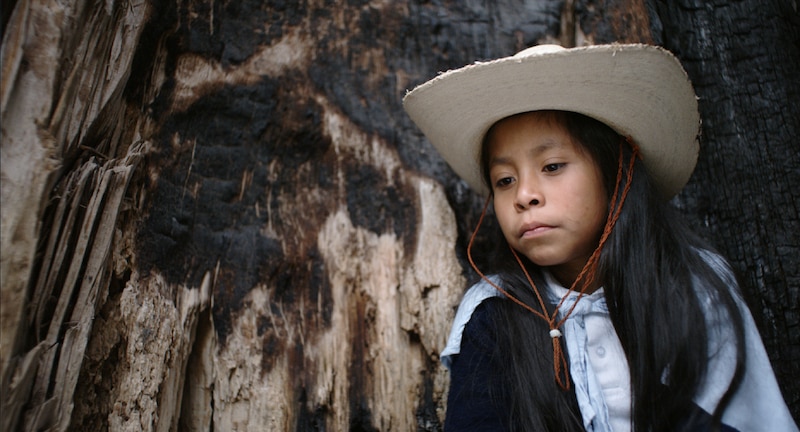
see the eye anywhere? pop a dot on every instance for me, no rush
(503, 182)
(553, 167)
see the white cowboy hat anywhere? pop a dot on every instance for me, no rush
(641, 91)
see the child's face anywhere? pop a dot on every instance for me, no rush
(549, 196)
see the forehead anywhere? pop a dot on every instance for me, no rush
(553, 119)
(534, 132)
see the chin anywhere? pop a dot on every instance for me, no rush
(543, 262)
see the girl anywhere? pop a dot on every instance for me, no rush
(599, 309)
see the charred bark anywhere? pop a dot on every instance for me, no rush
(744, 59)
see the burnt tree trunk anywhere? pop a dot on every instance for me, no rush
(215, 215)
(744, 60)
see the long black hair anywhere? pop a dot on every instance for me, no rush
(656, 283)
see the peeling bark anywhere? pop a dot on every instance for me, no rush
(57, 99)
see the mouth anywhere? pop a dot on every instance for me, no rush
(534, 229)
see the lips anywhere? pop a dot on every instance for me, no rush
(534, 229)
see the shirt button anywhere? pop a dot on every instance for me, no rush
(601, 352)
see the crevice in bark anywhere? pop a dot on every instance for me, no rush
(7, 9)
(310, 420)
(197, 404)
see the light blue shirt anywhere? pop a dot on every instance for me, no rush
(600, 375)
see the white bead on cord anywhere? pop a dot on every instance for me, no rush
(555, 333)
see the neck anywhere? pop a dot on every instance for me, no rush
(566, 276)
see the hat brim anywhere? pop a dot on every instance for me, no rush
(641, 91)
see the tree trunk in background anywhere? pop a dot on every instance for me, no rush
(744, 60)
(216, 216)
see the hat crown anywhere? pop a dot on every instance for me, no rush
(539, 49)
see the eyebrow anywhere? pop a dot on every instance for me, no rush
(535, 151)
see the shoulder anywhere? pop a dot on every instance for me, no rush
(475, 296)
(718, 264)
(473, 401)
(757, 404)
(717, 286)
(481, 330)
(480, 291)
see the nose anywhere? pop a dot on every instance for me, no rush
(528, 195)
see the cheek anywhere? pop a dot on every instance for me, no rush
(503, 219)
(582, 200)
(598, 207)
(589, 204)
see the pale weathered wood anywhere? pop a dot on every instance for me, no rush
(17, 390)
(85, 283)
(190, 305)
(69, 206)
(27, 160)
(95, 280)
(76, 249)
(60, 87)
